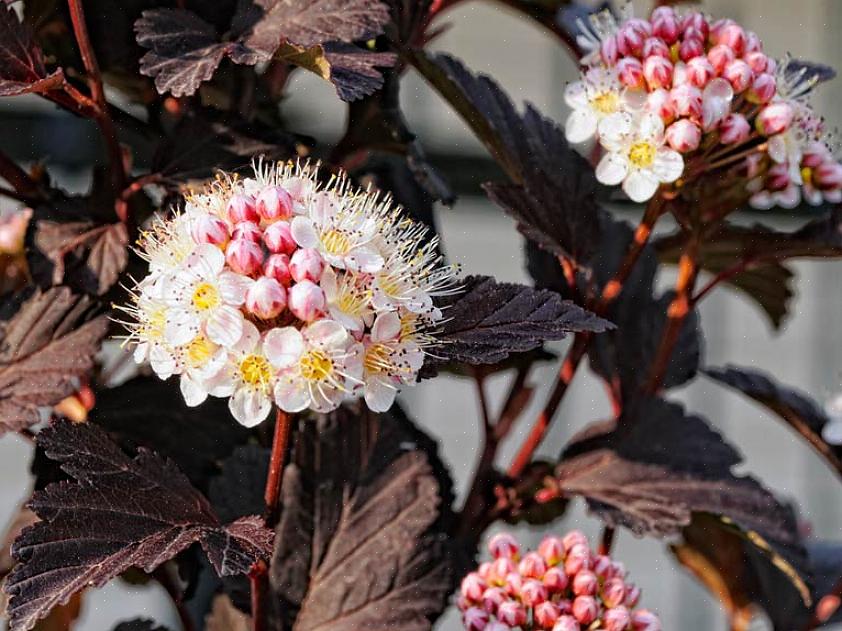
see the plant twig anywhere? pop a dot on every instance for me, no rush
(16, 177)
(606, 542)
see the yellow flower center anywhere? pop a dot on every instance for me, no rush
(315, 365)
(353, 301)
(606, 102)
(255, 370)
(408, 325)
(642, 154)
(807, 176)
(336, 242)
(390, 285)
(199, 351)
(153, 325)
(205, 297)
(377, 358)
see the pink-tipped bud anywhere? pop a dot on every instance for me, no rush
(828, 176)
(496, 625)
(511, 613)
(608, 51)
(274, 203)
(696, 21)
(278, 238)
(565, 607)
(739, 74)
(684, 135)
(659, 103)
(572, 538)
(757, 61)
(665, 24)
(614, 592)
(719, 56)
(555, 579)
(513, 584)
(306, 264)
(492, 598)
(472, 588)
(545, 615)
(753, 43)
(699, 71)
(277, 266)
(306, 300)
(247, 230)
(775, 118)
(778, 177)
(566, 623)
(630, 72)
(500, 569)
(733, 36)
(658, 72)
(645, 620)
(244, 256)
(210, 229)
(734, 129)
(578, 559)
(241, 208)
(585, 609)
(533, 592)
(687, 101)
(532, 566)
(551, 550)
(762, 89)
(585, 583)
(504, 545)
(631, 35)
(616, 619)
(655, 47)
(618, 570)
(690, 49)
(266, 298)
(632, 596)
(475, 619)
(484, 570)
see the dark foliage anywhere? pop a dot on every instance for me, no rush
(21, 60)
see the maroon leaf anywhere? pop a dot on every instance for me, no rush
(21, 60)
(118, 513)
(354, 71)
(360, 542)
(490, 320)
(139, 624)
(45, 347)
(798, 410)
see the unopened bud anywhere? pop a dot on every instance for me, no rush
(753, 43)
(545, 615)
(608, 51)
(513, 584)
(585, 583)
(828, 176)
(277, 267)
(614, 592)
(696, 21)
(210, 229)
(632, 596)
(306, 264)
(266, 298)
(699, 71)
(690, 49)
(739, 74)
(733, 36)
(241, 208)
(631, 35)
(585, 609)
(551, 550)
(500, 569)
(757, 61)
(684, 136)
(247, 230)
(645, 620)
(484, 570)
(475, 619)
(578, 559)
(719, 56)
(532, 566)
(658, 72)
(244, 256)
(734, 129)
(630, 72)
(572, 538)
(762, 89)
(665, 24)
(616, 619)
(655, 47)
(555, 579)
(775, 118)
(504, 545)
(472, 587)
(566, 623)
(274, 203)
(533, 592)
(278, 238)
(511, 613)
(687, 101)
(492, 598)
(658, 102)
(306, 300)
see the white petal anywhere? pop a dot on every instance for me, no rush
(324, 207)
(250, 408)
(221, 384)
(248, 340)
(225, 326)
(352, 364)
(777, 149)
(761, 201)
(614, 129)
(580, 125)
(140, 352)
(354, 324)
(364, 259)
(812, 196)
(304, 232)
(386, 327)
(214, 365)
(789, 198)
(233, 288)
(650, 127)
(414, 356)
(291, 395)
(329, 284)
(640, 185)
(283, 347)
(181, 327)
(612, 169)
(327, 334)
(206, 261)
(575, 95)
(162, 361)
(635, 99)
(379, 395)
(192, 391)
(324, 398)
(668, 165)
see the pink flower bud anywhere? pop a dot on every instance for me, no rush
(632, 596)
(608, 51)
(733, 36)
(462, 604)
(532, 566)
(658, 102)
(630, 72)
(565, 607)
(496, 625)
(645, 620)
(618, 570)
(658, 72)
(684, 135)
(566, 623)
(472, 587)
(828, 176)
(551, 550)
(585, 609)
(484, 571)
(601, 566)
(244, 256)
(655, 47)
(500, 569)
(578, 559)
(513, 584)
(665, 24)
(614, 592)
(266, 298)
(585, 583)
(572, 538)
(511, 613)
(734, 129)
(247, 230)
(533, 592)
(687, 101)
(616, 619)
(274, 203)
(306, 264)
(757, 61)
(492, 598)
(640, 25)
(691, 48)
(699, 71)
(762, 89)
(753, 43)
(278, 238)
(739, 75)
(631, 35)
(504, 545)
(209, 229)
(696, 21)
(555, 579)
(475, 619)
(241, 208)
(277, 266)
(719, 56)
(778, 178)
(546, 615)
(306, 300)
(775, 118)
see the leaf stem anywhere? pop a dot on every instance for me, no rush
(606, 542)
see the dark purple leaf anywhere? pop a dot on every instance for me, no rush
(118, 513)
(360, 542)
(238, 490)
(21, 60)
(45, 347)
(354, 71)
(139, 624)
(488, 320)
(797, 409)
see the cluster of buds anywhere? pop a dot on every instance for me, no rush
(676, 96)
(564, 586)
(274, 289)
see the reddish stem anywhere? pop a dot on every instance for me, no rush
(16, 176)
(606, 542)
(722, 276)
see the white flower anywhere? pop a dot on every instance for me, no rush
(636, 155)
(146, 328)
(348, 297)
(166, 244)
(201, 361)
(597, 95)
(203, 297)
(319, 365)
(391, 360)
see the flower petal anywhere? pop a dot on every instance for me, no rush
(379, 394)
(291, 395)
(612, 169)
(640, 185)
(248, 340)
(192, 391)
(580, 125)
(325, 398)
(668, 165)
(249, 407)
(283, 347)
(328, 283)
(304, 232)
(327, 334)
(386, 327)
(225, 326)
(614, 130)
(233, 288)
(162, 361)
(364, 259)
(575, 95)
(650, 127)
(181, 326)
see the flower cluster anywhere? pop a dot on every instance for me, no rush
(564, 586)
(273, 288)
(677, 96)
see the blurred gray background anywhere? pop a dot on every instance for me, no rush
(806, 353)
